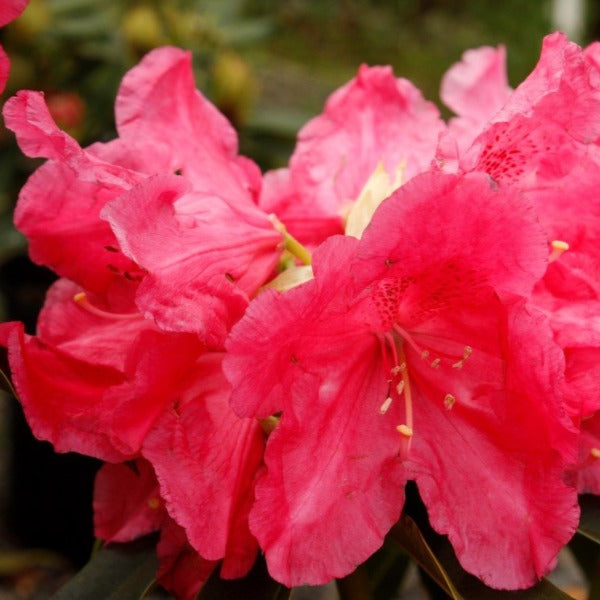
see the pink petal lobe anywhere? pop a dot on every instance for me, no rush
(201, 249)
(200, 439)
(95, 338)
(59, 215)
(320, 522)
(562, 88)
(157, 367)
(63, 397)
(158, 101)
(461, 258)
(37, 134)
(478, 85)
(475, 89)
(122, 517)
(503, 425)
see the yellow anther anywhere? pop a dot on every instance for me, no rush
(386, 404)
(400, 387)
(424, 354)
(80, 297)
(459, 364)
(154, 503)
(558, 248)
(595, 452)
(436, 363)
(268, 424)
(449, 401)
(467, 352)
(404, 430)
(395, 370)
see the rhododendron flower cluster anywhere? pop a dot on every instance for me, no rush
(265, 361)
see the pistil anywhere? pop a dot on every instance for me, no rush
(558, 249)
(290, 243)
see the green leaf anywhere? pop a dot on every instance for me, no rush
(117, 572)
(257, 585)
(409, 536)
(435, 555)
(589, 524)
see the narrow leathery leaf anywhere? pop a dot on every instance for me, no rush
(257, 585)
(117, 572)
(408, 535)
(6, 384)
(435, 555)
(589, 524)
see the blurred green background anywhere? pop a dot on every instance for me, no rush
(269, 66)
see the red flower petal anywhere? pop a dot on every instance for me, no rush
(122, 517)
(201, 440)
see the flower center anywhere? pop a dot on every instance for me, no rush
(393, 344)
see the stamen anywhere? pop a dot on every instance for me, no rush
(435, 363)
(449, 401)
(466, 353)
(558, 248)
(407, 400)
(154, 503)
(406, 336)
(404, 430)
(424, 354)
(268, 424)
(82, 300)
(392, 345)
(384, 407)
(400, 387)
(595, 452)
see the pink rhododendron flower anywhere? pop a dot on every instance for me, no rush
(156, 138)
(373, 118)
(209, 254)
(93, 381)
(543, 140)
(412, 355)
(115, 387)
